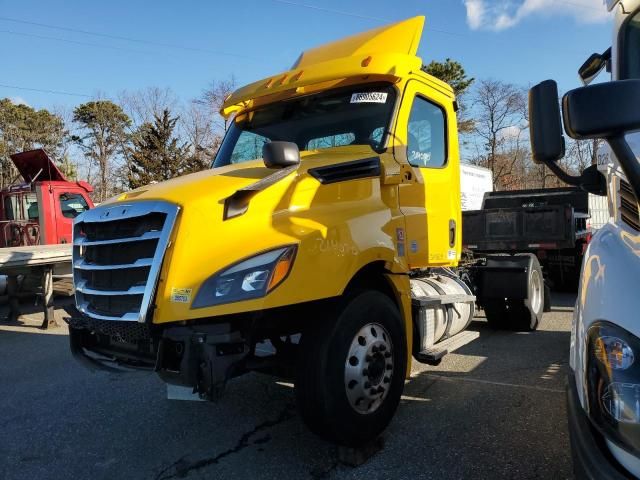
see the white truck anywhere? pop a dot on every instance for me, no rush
(603, 392)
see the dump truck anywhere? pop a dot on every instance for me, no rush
(603, 385)
(328, 230)
(550, 223)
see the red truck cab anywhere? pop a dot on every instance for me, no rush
(41, 210)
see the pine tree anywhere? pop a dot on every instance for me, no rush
(156, 154)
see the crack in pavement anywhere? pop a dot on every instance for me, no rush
(182, 467)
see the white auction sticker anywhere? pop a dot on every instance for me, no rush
(369, 97)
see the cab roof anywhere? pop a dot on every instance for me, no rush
(384, 53)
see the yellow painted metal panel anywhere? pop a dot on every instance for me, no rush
(339, 228)
(432, 199)
(400, 37)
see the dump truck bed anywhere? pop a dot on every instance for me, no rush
(522, 229)
(527, 220)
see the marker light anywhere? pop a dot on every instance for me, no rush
(614, 352)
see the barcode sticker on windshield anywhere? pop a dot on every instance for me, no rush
(369, 97)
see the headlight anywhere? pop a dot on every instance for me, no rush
(613, 384)
(250, 278)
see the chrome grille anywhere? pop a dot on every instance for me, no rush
(117, 255)
(629, 212)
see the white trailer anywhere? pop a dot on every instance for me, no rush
(474, 183)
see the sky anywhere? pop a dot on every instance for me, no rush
(62, 53)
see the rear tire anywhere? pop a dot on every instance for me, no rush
(526, 314)
(355, 347)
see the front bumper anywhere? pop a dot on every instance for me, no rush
(202, 356)
(591, 457)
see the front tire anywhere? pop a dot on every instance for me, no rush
(351, 369)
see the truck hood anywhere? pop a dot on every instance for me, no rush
(37, 165)
(219, 183)
(335, 225)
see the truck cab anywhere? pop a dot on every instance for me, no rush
(41, 210)
(327, 232)
(604, 380)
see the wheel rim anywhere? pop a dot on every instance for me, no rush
(369, 368)
(536, 291)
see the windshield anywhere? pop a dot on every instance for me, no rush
(354, 116)
(630, 48)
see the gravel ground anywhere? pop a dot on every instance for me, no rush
(495, 409)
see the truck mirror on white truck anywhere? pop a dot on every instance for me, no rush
(547, 139)
(607, 110)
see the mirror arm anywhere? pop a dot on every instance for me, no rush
(627, 160)
(564, 176)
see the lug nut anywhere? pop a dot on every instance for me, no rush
(380, 389)
(383, 348)
(374, 349)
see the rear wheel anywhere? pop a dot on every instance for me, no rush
(527, 313)
(520, 313)
(351, 369)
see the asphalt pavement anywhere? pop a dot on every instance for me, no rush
(495, 409)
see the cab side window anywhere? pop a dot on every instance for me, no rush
(72, 204)
(426, 138)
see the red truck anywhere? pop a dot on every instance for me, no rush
(41, 210)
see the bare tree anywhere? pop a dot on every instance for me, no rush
(582, 153)
(500, 130)
(142, 106)
(196, 122)
(213, 98)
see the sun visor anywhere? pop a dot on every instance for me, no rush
(401, 37)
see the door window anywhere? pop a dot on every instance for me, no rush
(426, 138)
(72, 204)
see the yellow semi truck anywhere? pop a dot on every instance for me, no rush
(327, 232)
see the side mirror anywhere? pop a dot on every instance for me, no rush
(547, 140)
(545, 126)
(603, 110)
(606, 110)
(590, 69)
(280, 154)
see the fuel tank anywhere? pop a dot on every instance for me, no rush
(441, 306)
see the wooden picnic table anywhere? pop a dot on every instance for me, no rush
(42, 260)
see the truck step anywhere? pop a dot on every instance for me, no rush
(433, 355)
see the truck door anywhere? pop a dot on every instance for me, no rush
(431, 204)
(67, 206)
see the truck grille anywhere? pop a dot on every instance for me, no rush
(629, 206)
(117, 255)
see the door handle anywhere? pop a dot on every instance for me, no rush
(452, 233)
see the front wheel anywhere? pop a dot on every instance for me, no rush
(351, 370)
